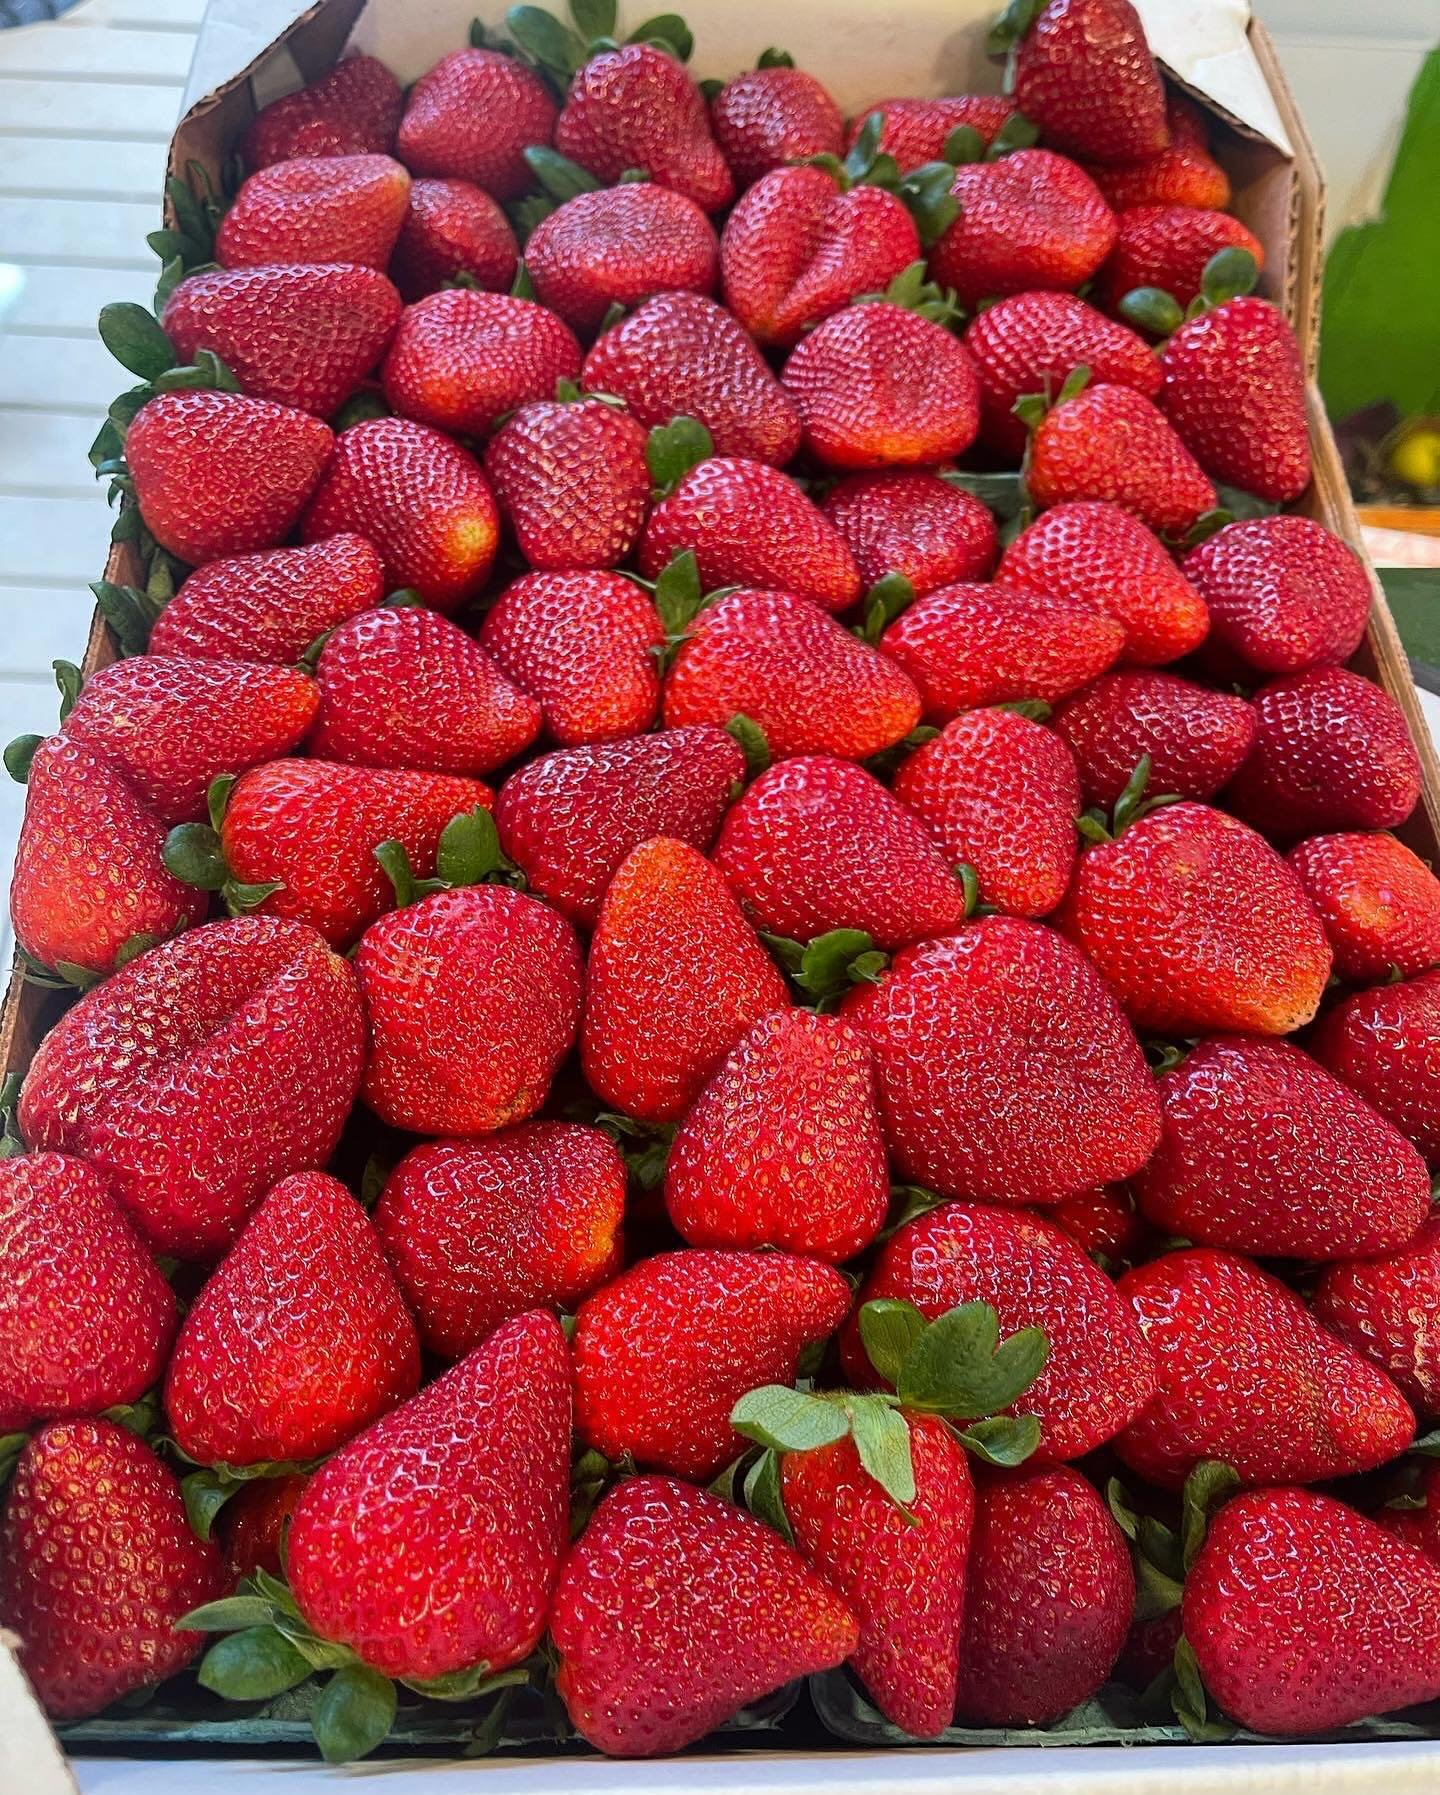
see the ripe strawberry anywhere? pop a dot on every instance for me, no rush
(808, 683)
(973, 644)
(201, 1074)
(675, 978)
(297, 1340)
(914, 131)
(818, 844)
(316, 209)
(1097, 1376)
(1332, 751)
(1197, 923)
(472, 117)
(1265, 1152)
(743, 1171)
(453, 231)
(351, 110)
(1196, 738)
(1085, 75)
(665, 1352)
(616, 246)
(1379, 902)
(1000, 794)
(219, 474)
(773, 115)
(86, 1320)
(304, 337)
(1005, 1068)
(581, 643)
(1183, 175)
(431, 1543)
(569, 819)
(1048, 1599)
(1385, 1044)
(682, 355)
(882, 386)
(405, 687)
(1031, 219)
(1168, 247)
(1105, 1222)
(636, 107)
(913, 524)
(254, 1525)
(474, 999)
(675, 1609)
(572, 481)
(1110, 442)
(461, 360)
(1247, 1375)
(97, 1565)
(420, 499)
(270, 606)
(1418, 1527)
(481, 1231)
(1382, 1306)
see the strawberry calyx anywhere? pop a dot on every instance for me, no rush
(1095, 825)
(913, 292)
(1012, 25)
(1230, 273)
(673, 449)
(557, 51)
(644, 1146)
(891, 594)
(194, 855)
(469, 853)
(825, 968)
(208, 1488)
(751, 740)
(11, 1141)
(1031, 408)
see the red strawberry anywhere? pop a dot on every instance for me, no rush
(351, 110)
(1109, 442)
(915, 130)
(1183, 175)
(1265, 1152)
(201, 1074)
(254, 1525)
(316, 209)
(1048, 1599)
(913, 524)
(581, 643)
(1196, 739)
(675, 1609)
(1383, 1306)
(481, 1231)
(1104, 1221)
(1386, 1045)
(744, 1171)
(773, 115)
(1418, 1527)
(618, 245)
(1005, 1068)
(219, 474)
(1100, 556)
(97, 1566)
(1379, 902)
(1247, 1375)
(453, 231)
(569, 819)
(86, 1320)
(1168, 247)
(298, 1340)
(472, 117)
(431, 1543)
(405, 687)
(665, 1352)
(1000, 794)
(1085, 75)
(675, 978)
(474, 1000)
(304, 337)
(808, 683)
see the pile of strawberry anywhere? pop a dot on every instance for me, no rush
(698, 888)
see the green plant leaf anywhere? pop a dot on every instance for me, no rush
(882, 1441)
(678, 594)
(775, 59)
(466, 1685)
(1011, 26)
(192, 854)
(470, 851)
(832, 962)
(252, 1665)
(889, 1327)
(205, 1495)
(1207, 1485)
(229, 1615)
(1229, 273)
(11, 1446)
(124, 608)
(18, 755)
(751, 738)
(593, 18)
(764, 1495)
(672, 449)
(357, 1708)
(667, 31)
(1006, 1440)
(961, 1367)
(1017, 133)
(561, 178)
(884, 602)
(1152, 310)
(788, 1420)
(134, 337)
(544, 40)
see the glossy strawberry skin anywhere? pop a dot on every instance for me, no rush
(572, 481)
(915, 130)
(351, 110)
(472, 116)
(474, 998)
(299, 1338)
(316, 209)
(1381, 1307)
(1380, 904)
(768, 117)
(1417, 1526)
(913, 524)
(1167, 246)
(1104, 1221)
(618, 245)
(1085, 75)
(481, 1231)
(1196, 738)
(452, 228)
(254, 1525)
(1112, 443)
(1183, 175)
(665, 1352)
(1385, 1044)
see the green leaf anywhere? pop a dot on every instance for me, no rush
(132, 948)
(19, 754)
(775, 59)
(832, 962)
(123, 608)
(11, 1446)
(522, 287)
(469, 850)
(173, 246)
(357, 1708)
(544, 40)
(787, 1420)
(961, 1367)
(134, 337)
(882, 1441)
(963, 145)
(190, 215)
(1189, 1700)
(593, 18)
(217, 798)
(764, 1495)
(1011, 26)
(465, 1685)
(866, 147)
(1006, 1440)
(672, 449)
(171, 275)
(228, 1615)
(678, 594)
(1229, 273)
(751, 737)
(667, 31)
(252, 1665)
(192, 854)
(1208, 1484)
(241, 899)
(205, 1495)
(1017, 133)
(1426, 1445)
(319, 1654)
(395, 864)
(927, 197)
(889, 1327)
(1152, 310)
(360, 408)
(884, 602)
(561, 178)
(1073, 384)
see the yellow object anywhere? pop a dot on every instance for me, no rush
(1415, 458)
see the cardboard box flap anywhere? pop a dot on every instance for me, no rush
(1205, 45)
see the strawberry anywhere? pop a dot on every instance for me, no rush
(1006, 1070)
(302, 336)
(201, 1074)
(1196, 739)
(254, 1525)
(1379, 902)
(773, 115)
(219, 474)
(1246, 1375)
(1104, 1221)
(472, 116)
(682, 355)
(1168, 247)
(316, 209)
(914, 131)
(420, 499)
(1265, 1152)
(743, 1172)
(474, 1000)
(1197, 923)
(911, 523)
(664, 1352)
(675, 978)
(581, 643)
(351, 110)
(86, 1320)
(461, 360)
(1049, 1592)
(1000, 794)
(1084, 74)
(97, 1567)
(1417, 1526)
(572, 481)
(1382, 1307)
(675, 1609)
(1183, 175)
(297, 1340)
(1100, 556)
(480, 1231)
(569, 819)
(1385, 1044)
(1332, 751)
(405, 687)
(803, 678)
(453, 231)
